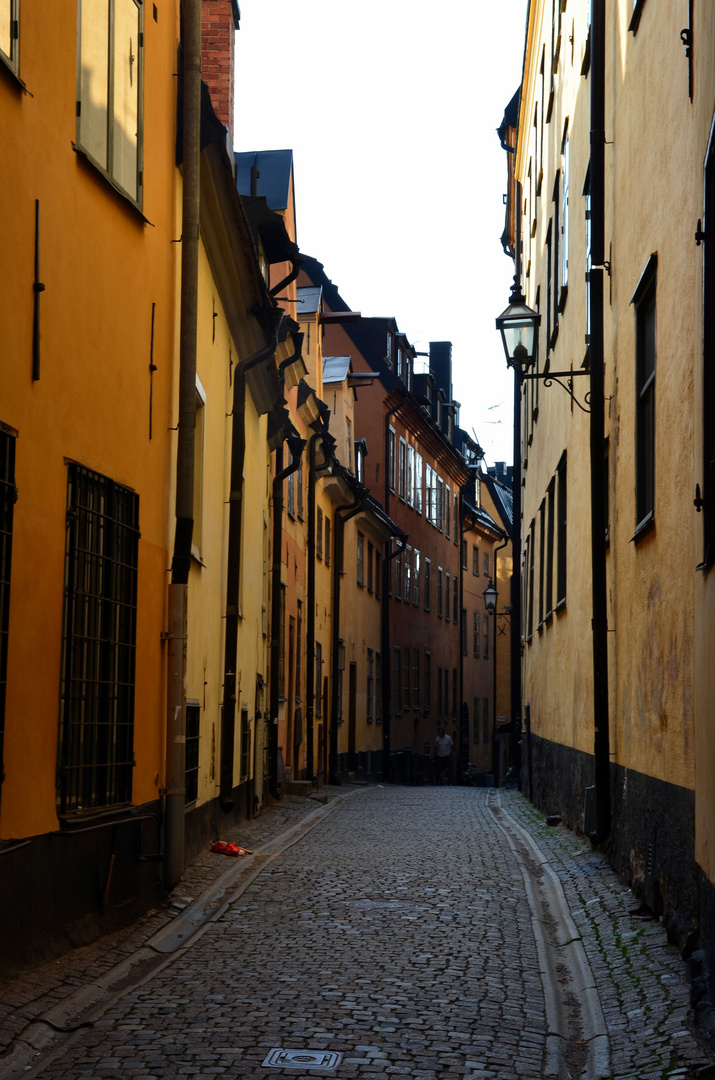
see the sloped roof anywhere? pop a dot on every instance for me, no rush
(335, 368)
(309, 297)
(274, 167)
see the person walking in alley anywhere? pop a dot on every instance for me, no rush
(443, 747)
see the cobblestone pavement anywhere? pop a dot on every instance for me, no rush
(396, 933)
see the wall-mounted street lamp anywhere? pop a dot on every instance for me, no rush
(517, 325)
(490, 598)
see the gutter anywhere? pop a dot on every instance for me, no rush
(175, 789)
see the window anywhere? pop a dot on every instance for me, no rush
(455, 705)
(7, 506)
(549, 249)
(549, 601)
(418, 483)
(96, 723)
(561, 532)
(402, 475)
(397, 668)
(476, 720)
(428, 680)
(391, 463)
(299, 491)
(360, 559)
(530, 561)
(565, 155)
(378, 574)
(415, 678)
(298, 641)
(439, 691)
(291, 495)
(191, 764)
(475, 561)
(199, 450)
(447, 508)
(348, 444)
(485, 650)
(486, 564)
(416, 578)
(557, 256)
(370, 578)
(109, 90)
(378, 688)
(319, 534)
(542, 558)
(644, 302)
(475, 634)
(429, 501)
(282, 643)
(708, 474)
(318, 678)
(463, 632)
(408, 575)
(10, 33)
(370, 687)
(464, 555)
(439, 591)
(410, 475)
(486, 727)
(455, 598)
(428, 569)
(327, 540)
(455, 527)
(439, 511)
(447, 597)
(406, 679)
(398, 577)
(245, 743)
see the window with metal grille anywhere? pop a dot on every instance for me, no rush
(96, 724)
(7, 505)
(191, 769)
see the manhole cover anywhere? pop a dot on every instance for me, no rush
(302, 1059)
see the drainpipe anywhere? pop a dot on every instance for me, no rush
(295, 448)
(495, 756)
(184, 507)
(602, 764)
(313, 472)
(385, 607)
(233, 576)
(341, 516)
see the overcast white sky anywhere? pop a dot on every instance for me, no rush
(390, 108)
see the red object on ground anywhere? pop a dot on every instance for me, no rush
(221, 847)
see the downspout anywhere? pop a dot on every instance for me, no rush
(385, 607)
(233, 576)
(495, 756)
(310, 615)
(515, 596)
(601, 747)
(295, 447)
(175, 790)
(342, 514)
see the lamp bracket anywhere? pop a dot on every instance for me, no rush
(549, 377)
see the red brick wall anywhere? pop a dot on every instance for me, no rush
(218, 42)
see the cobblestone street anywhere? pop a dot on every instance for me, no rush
(405, 933)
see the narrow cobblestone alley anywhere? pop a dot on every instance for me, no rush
(396, 938)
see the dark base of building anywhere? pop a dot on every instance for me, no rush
(652, 840)
(66, 889)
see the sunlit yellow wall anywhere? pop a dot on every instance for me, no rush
(656, 142)
(103, 267)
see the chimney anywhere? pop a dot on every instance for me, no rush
(219, 23)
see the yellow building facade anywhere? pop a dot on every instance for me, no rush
(641, 183)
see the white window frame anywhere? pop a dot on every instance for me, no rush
(11, 33)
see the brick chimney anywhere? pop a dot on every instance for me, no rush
(219, 22)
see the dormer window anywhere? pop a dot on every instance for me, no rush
(390, 346)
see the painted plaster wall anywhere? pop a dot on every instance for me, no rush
(103, 268)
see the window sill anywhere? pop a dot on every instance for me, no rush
(554, 337)
(647, 525)
(97, 170)
(560, 606)
(563, 296)
(11, 71)
(636, 17)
